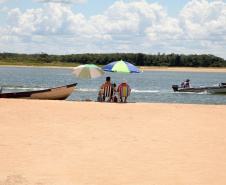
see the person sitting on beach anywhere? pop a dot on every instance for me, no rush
(123, 84)
(106, 84)
(185, 84)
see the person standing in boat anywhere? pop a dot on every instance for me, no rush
(185, 84)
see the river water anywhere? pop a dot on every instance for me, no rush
(148, 86)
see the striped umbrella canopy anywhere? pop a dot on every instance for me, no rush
(121, 67)
(87, 71)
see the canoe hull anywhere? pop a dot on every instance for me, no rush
(58, 93)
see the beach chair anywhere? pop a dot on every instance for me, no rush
(124, 92)
(107, 92)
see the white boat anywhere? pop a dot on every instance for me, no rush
(221, 88)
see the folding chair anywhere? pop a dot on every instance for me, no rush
(124, 92)
(107, 92)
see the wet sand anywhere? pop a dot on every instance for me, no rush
(44, 142)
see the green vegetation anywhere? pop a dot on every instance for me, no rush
(138, 59)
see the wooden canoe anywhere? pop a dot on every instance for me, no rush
(58, 93)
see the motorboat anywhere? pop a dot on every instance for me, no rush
(215, 89)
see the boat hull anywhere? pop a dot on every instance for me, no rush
(58, 93)
(209, 89)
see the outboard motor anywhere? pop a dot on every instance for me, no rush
(175, 88)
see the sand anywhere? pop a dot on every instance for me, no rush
(45, 142)
(153, 68)
(185, 69)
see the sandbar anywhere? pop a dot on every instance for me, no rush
(185, 69)
(151, 68)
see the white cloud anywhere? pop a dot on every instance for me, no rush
(21, 24)
(62, 1)
(3, 1)
(123, 27)
(4, 9)
(203, 20)
(54, 19)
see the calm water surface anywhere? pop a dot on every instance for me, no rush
(149, 86)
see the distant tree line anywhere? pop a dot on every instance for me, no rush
(138, 59)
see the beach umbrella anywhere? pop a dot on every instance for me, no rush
(87, 71)
(121, 67)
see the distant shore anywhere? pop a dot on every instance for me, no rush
(149, 68)
(188, 69)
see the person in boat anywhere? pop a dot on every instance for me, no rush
(0, 89)
(123, 84)
(107, 83)
(185, 84)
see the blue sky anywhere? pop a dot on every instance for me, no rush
(109, 26)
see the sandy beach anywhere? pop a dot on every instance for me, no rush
(154, 68)
(185, 69)
(44, 142)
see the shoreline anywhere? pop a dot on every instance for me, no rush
(185, 69)
(150, 68)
